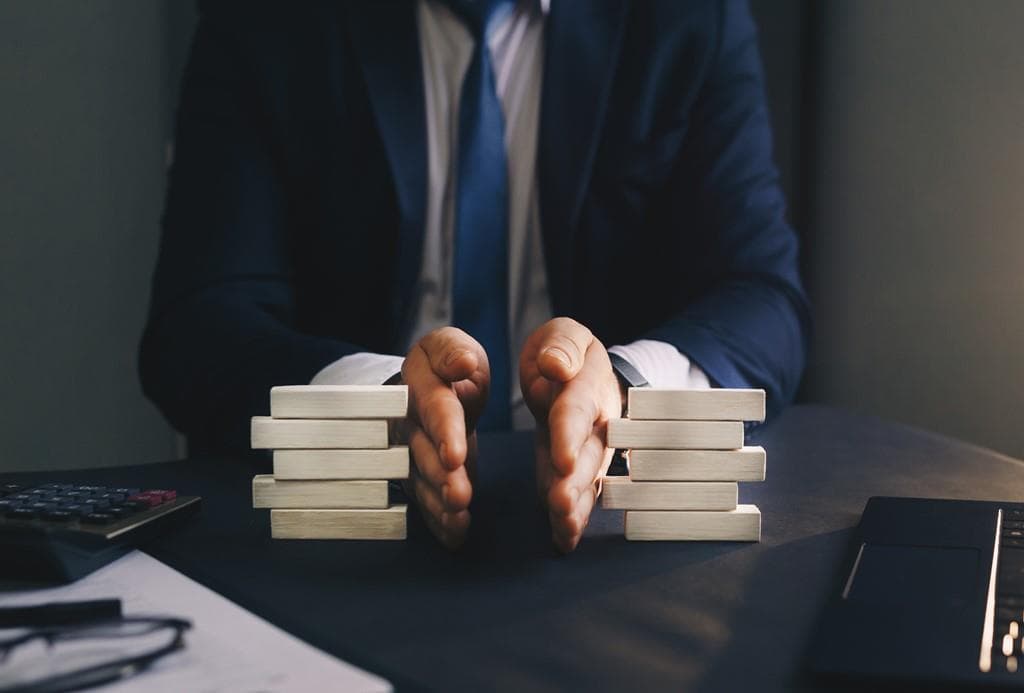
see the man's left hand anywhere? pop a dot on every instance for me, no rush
(569, 386)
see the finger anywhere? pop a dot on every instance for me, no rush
(562, 348)
(449, 528)
(428, 498)
(453, 486)
(456, 524)
(566, 532)
(435, 406)
(566, 492)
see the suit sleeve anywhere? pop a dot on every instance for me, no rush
(221, 329)
(751, 327)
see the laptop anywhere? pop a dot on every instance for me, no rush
(931, 593)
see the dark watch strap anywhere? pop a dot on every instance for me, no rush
(629, 377)
(624, 371)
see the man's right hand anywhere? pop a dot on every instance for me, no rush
(448, 378)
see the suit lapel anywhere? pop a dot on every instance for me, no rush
(385, 37)
(581, 44)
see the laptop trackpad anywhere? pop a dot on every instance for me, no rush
(911, 576)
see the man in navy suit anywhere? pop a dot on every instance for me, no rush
(440, 179)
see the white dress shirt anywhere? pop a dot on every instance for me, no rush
(517, 51)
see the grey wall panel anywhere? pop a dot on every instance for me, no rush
(919, 222)
(82, 125)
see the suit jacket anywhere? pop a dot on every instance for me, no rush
(293, 225)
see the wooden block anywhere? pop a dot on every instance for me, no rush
(391, 463)
(675, 435)
(718, 404)
(268, 492)
(318, 433)
(745, 464)
(389, 523)
(741, 524)
(619, 493)
(339, 401)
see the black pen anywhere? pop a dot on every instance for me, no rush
(59, 613)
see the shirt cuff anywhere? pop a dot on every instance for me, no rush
(662, 365)
(364, 368)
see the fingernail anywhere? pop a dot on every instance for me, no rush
(444, 493)
(454, 356)
(560, 355)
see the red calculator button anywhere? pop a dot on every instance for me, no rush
(152, 500)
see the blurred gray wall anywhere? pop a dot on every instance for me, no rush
(86, 106)
(918, 223)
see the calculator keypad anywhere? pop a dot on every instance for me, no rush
(63, 504)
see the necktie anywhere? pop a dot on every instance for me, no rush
(480, 284)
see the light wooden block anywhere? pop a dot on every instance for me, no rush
(619, 493)
(389, 523)
(318, 433)
(675, 435)
(391, 463)
(741, 524)
(717, 404)
(745, 464)
(339, 401)
(268, 492)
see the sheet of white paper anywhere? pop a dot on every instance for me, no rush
(227, 649)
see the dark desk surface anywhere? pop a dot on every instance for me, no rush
(508, 613)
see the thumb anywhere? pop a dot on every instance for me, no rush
(453, 355)
(562, 349)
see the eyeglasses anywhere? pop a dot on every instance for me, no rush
(72, 657)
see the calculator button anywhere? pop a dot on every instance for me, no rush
(135, 506)
(125, 491)
(76, 508)
(6, 504)
(41, 506)
(111, 497)
(98, 519)
(21, 497)
(119, 511)
(58, 516)
(21, 513)
(151, 500)
(11, 488)
(165, 494)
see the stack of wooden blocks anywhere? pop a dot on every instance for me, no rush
(332, 462)
(685, 450)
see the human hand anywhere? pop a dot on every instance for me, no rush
(569, 386)
(448, 377)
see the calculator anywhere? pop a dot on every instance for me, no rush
(55, 533)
